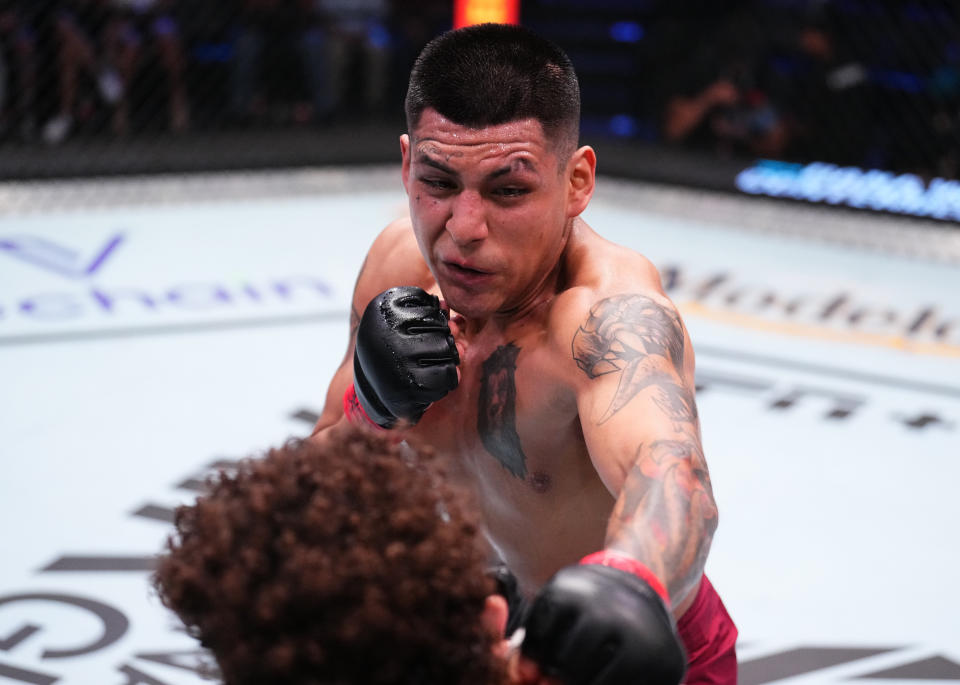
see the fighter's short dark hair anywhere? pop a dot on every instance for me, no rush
(353, 561)
(491, 74)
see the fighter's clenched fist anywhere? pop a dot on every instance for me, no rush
(405, 357)
(593, 624)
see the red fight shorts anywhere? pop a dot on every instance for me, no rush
(710, 637)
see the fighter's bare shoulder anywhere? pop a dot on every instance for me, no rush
(393, 259)
(606, 283)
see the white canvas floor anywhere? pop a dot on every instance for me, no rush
(151, 328)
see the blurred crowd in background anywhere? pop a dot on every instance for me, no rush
(871, 83)
(121, 67)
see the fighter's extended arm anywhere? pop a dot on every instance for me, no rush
(607, 620)
(640, 423)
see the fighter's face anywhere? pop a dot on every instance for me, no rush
(489, 209)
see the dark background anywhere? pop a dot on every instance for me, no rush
(686, 91)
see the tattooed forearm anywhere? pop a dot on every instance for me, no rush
(666, 513)
(624, 333)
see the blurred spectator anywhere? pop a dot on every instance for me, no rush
(156, 21)
(853, 83)
(342, 50)
(870, 83)
(413, 24)
(270, 32)
(719, 99)
(945, 119)
(104, 39)
(360, 43)
(18, 67)
(79, 30)
(727, 112)
(824, 83)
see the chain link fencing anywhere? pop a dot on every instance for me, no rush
(93, 87)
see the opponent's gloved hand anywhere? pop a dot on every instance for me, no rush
(599, 625)
(508, 589)
(405, 357)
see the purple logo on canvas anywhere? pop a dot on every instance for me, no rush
(60, 259)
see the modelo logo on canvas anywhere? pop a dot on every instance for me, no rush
(726, 292)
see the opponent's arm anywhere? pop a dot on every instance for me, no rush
(639, 419)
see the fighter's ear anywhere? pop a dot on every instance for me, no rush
(405, 157)
(581, 179)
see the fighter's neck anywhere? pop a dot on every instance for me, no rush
(541, 294)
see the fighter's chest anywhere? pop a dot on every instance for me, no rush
(512, 420)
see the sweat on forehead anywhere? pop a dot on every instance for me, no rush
(437, 139)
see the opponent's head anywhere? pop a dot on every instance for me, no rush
(348, 562)
(491, 74)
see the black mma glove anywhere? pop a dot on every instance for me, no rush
(597, 624)
(405, 358)
(507, 588)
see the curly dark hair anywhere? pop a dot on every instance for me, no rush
(352, 562)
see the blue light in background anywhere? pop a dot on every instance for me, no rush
(626, 32)
(379, 36)
(854, 187)
(206, 53)
(898, 80)
(623, 125)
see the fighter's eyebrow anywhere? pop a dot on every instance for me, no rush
(513, 166)
(424, 158)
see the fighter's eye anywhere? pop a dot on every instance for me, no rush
(437, 183)
(510, 191)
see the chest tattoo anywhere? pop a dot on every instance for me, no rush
(497, 417)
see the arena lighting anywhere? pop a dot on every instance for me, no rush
(853, 187)
(468, 12)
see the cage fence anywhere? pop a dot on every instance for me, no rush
(89, 87)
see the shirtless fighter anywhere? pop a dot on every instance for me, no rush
(554, 372)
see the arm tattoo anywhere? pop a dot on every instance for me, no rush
(676, 402)
(666, 511)
(497, 418)
(622, 333)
